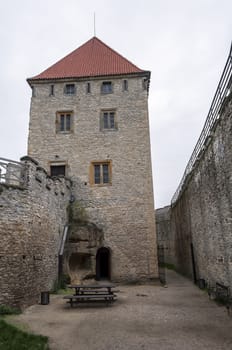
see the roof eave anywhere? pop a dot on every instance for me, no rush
(81, 78)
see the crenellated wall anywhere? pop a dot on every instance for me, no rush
(32, 219)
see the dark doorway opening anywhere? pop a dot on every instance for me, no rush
(103, 264)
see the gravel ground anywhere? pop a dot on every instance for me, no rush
(145, 317)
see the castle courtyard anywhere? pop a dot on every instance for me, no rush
(145, 317)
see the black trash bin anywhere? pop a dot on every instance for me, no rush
(45, 298)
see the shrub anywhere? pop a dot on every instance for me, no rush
(8, 310)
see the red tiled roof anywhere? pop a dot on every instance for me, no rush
(94, 58)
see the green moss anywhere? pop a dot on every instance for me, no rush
(76, 213)
(170, 266)
(60, 285)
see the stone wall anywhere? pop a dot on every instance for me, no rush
(202, 216)
(124, 210)
(83, 241)
(32, 219)
(165, 238)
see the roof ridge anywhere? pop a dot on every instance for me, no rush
(92, 58)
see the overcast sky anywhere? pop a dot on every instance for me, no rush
(185, 44)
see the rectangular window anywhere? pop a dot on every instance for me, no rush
(100, 173)
(111, 122)
(70, 89)
(64, 122)
(106, 87)
(108, 121)
(125, 85)
(88, 88)
(51, 90)
(105, 116)
(97, 174)
(57, 170)
(105, 173)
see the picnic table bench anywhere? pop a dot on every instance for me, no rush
(91, 293)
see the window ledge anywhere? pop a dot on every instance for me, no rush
(64, 133)
(101, 185)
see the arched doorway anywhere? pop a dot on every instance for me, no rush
(103, 264)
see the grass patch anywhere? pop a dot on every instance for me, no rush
(11, 338)
(8, 310)
(168, 266)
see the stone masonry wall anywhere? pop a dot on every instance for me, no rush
(31, 226)
(202, 216)
(125, 209)
(165, 236)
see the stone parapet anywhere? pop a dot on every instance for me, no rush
(31, 226)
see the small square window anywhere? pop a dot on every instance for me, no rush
(101, 173)
(106, 87)
(108, 120)
(57, 170)
(70, 89)
(220, 259)
(64, 121)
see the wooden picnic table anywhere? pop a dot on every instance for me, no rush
(93, 288)
(89, 293)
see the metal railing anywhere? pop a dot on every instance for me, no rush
(223, 90)
(12, 172)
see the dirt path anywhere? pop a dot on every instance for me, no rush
(146, 317)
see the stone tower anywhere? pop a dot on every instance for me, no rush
(89, 122)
